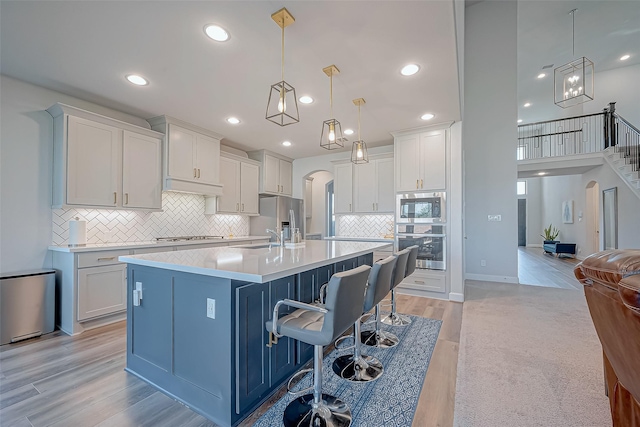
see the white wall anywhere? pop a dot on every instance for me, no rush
(608, 87)
(488, 135)
(26, 147)
(555, 190)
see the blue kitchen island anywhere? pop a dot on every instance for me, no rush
(195, 319)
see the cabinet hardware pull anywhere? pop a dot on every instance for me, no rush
(374, 206)
(198, 172)
(243, 207)
(126, 197)
(417, 184)
(237, 207)
(195, 175)
(111, 258)
(421, 186)
(419, 281)
(115, 197)
(349, 207)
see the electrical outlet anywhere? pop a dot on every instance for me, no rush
(483, 263)
(494, 217)
(211, 308)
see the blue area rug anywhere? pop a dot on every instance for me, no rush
(389, 401)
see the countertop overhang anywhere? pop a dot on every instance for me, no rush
(257, 265)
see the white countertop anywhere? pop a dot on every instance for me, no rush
(360, 239)
(151, 244)
(254, 265)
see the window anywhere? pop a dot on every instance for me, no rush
(521, 188)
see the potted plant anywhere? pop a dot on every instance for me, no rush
(550, 234)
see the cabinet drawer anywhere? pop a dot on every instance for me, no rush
(425, 282)
(95, 259)
(101, 291)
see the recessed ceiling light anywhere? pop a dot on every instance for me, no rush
(137, 80)
(409, 69)
(427, 116)
(233, 120)
(286, 143)
(216, 33)
(519, 120)
(348, 132)
(528, 104)
(625, 57)
(541, 75)
(306, 99)
(542, 173)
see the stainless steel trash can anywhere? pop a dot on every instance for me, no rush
(27, 304)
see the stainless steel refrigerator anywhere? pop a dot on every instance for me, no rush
(278, 212)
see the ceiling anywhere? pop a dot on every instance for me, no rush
(85, 49)
(604, 31)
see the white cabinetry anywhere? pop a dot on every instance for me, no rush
(275, 173)
(343, 188)
(191, 157)
(421, 161)
(240, 178)
(373, 186)
(425, 281)
(102, 162)
(101, 290)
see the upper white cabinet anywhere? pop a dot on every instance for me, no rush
(373, 186)
(364, 188)
(343, 188)
(421, 161)
(239, 177)
(275, 173)
(191, 157)
(102, 162)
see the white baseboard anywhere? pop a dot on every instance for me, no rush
(534, 245)
(455, 296)
(489, 278)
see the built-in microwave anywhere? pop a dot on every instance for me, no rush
(420, 208)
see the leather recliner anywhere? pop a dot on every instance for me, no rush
(611, 282)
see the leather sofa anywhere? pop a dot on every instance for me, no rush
(611, 282)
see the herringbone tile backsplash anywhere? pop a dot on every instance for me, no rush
(183, 215)
(364, 225)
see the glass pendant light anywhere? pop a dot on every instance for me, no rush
(573, 82)
(359, 152)
(331, 137)
(282, 107)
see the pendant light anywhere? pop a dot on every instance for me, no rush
(282, 107)
(573, 82)
(359, 152)
(331, 137)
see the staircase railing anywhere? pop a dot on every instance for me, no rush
(627, 140)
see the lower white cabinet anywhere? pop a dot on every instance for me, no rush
(101, 290)
(426, 281)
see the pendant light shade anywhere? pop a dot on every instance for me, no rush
(331, 137)
(359, 152)
(573, 82)
(282, 106)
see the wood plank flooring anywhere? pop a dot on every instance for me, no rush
(538, 268)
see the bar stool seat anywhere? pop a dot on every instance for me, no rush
(357, 367)
(395, 318)
(320, 326)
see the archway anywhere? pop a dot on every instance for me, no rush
(592, 217)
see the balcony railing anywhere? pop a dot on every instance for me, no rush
(627, 140)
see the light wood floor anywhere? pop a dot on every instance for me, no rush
(538, 268)
(58, 380)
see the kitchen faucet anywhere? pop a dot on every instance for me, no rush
(280, 237)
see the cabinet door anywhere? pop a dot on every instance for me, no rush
(271, 174)
(252, 370)
(207, 159)
(101, 290)
(282, 353)
(93, 163)
(408, 163)
(364, 187)
(249, 180)
(385, 199)
(343, 188)
(285, 177)
(141, 171)
(182, 153)
(433, 157)
(230, 177)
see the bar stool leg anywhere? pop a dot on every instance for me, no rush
(357, 367)
(379, 338)
(317, 409)
(395, 318)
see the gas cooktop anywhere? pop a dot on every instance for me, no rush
(183, 238)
